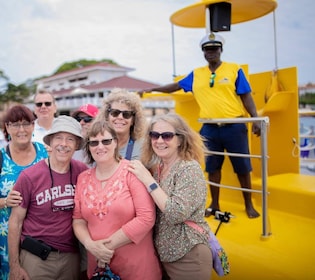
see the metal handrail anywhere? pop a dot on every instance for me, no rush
(208, 153)
(264, 121)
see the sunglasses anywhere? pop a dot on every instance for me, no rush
(166, 136)
(211, 48)
(126, 114)
(95, 143)
(40, 104)
(86, 119)
(212, 77)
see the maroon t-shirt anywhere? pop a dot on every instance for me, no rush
(49, 207)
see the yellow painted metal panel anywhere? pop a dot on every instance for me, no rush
(194, 15)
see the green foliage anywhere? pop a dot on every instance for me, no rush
(3, 81)
(307, 98)
(3, 75)
(13, 93)
(81, 63)
(19, 93)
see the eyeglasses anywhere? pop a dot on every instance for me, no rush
(212, 77)
(95, 143)
(40, 104)
(166, 136)
(86, 119)
(17, 125)
(126, 114)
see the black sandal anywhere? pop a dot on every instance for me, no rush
(210, 211)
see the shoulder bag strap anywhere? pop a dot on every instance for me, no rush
(195, 226)
(129, 149)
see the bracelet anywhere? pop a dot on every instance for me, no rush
(5, 203)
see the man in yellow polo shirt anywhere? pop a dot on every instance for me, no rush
(221, 91)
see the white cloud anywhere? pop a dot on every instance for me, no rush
(37, 36)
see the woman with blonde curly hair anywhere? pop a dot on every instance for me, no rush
(123, 110)
(173, 152)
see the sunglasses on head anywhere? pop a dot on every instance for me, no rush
(86, 119)
(40, 104)
(95, 143)
(126, 114)
(166, 136)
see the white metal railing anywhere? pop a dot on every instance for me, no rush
(264, 121)
(77, 101)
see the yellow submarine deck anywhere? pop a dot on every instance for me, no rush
(289, 251)
(281, 243)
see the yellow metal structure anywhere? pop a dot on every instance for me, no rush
(242, 10)
(289, 251)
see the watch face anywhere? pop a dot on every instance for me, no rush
(153, 186)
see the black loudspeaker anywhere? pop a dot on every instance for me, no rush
(220, 16)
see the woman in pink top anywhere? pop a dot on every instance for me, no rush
(114, 214)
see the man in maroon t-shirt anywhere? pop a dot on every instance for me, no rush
(41, 226)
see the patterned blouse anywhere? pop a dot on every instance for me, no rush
(9, 174)
(186, 188)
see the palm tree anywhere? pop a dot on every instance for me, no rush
(12, 93)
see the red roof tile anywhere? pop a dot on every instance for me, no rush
(86, 69)
(127, 82)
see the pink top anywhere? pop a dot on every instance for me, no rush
(123, 203)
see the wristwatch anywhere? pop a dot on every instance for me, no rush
(152, 187)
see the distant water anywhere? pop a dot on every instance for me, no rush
(307, 121)
(305, 125)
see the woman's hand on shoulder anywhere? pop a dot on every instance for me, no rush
(48, 148)
(140, 171)
(13, 199)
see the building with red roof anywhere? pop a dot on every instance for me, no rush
(90, 84)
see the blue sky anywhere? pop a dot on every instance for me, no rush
(37, 36)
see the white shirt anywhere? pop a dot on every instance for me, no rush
(3, 142)
(39, 133)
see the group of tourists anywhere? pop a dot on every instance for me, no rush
(104, 187)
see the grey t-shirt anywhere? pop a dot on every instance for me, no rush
(136, 152)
